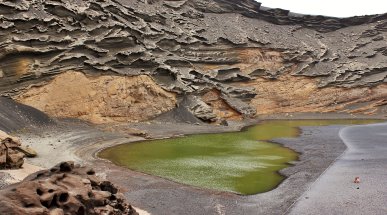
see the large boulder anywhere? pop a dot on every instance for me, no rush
(63, 189)
(10, 156)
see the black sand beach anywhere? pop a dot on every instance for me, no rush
(319, 147)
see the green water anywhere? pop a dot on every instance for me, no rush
(241, 162)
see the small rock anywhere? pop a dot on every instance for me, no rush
(86, 181)
(357, 180)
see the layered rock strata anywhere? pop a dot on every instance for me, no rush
(253, 57)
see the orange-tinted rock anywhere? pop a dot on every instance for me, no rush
(100, 99)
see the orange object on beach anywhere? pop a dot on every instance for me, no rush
(357, 180)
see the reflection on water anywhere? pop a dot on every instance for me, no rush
(241, 162)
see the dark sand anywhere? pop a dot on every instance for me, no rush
(160, 196)
(319, 147)
(335, 191)
(16, 116)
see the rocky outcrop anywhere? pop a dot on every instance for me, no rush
(10, 157)
(253, 9)
(64, 189)
(12, 153)
(238, 49)
(289, 94)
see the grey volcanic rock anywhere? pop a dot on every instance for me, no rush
(198, 108)
(179, 114)
(188, 46)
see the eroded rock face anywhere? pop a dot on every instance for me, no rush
(100, 99)
(10, 157)
(289, 94)
(238, 49)
(64, 189)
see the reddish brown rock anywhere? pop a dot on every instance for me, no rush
(63, 189)
(10, 157)
(12, 152)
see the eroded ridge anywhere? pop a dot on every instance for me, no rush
(195, 47)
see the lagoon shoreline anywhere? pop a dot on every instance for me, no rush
(318, 146)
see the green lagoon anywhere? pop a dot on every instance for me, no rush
(242, 162)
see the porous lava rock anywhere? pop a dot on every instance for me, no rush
(64, 189)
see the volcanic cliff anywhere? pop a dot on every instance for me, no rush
(133, 60)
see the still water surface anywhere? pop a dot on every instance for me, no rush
(242, 162)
